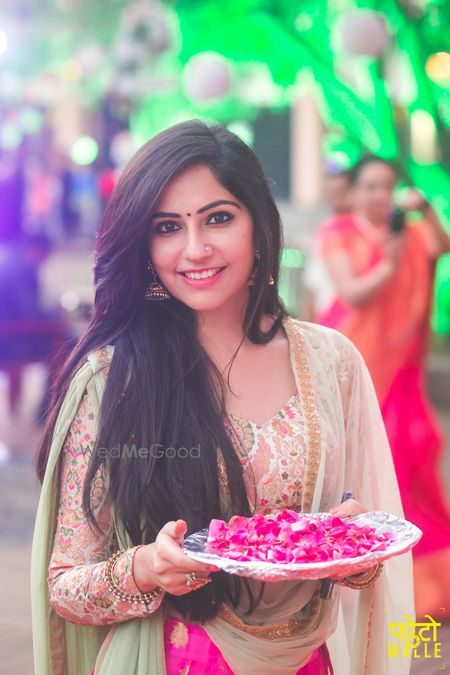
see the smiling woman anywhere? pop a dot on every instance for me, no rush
(190, 347)
(203, 259)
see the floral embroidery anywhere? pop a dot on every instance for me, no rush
(78, 588)
(179, 635)
(272, 456)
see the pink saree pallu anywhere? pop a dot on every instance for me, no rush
(189, 651)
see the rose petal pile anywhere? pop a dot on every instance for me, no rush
(290, 537)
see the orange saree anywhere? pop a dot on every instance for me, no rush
(391, 331)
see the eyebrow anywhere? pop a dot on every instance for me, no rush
(212, 205)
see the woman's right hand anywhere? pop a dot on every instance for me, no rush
(164, 564)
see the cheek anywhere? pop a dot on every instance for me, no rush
(161, 253)
(246, 243)
(243, 255)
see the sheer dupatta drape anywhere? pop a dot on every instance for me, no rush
(348, 451)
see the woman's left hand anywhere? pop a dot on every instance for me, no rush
(348, 508)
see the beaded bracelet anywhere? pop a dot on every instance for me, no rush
(123, 595)
(365, 581)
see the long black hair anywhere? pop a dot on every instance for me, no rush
(162, 388)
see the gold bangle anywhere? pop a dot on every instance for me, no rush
(145, 598)
(365, 581)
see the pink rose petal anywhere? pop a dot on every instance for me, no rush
(292, 537)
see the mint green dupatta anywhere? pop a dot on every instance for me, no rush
(61, 647)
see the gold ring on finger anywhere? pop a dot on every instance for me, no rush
(193, 582)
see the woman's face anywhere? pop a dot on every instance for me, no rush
(373, 191)
(201, 241)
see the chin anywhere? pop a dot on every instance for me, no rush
(211, 301)
(202, 304)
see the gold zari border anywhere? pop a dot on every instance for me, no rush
(302, 372)
(277, 631)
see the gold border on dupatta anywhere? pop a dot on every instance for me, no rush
(302, 373)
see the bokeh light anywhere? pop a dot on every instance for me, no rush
(438, 67)
(3, 42)
(31, 120)
(71, 70)
(423, 137)
(84, 151)
(10, 136)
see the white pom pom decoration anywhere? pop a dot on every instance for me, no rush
(207, 76)
(364, 33)
(122, 148)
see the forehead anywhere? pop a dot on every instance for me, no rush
(377, 172)
(191, 189)
(339, 179)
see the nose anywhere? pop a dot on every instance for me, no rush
(195, 246)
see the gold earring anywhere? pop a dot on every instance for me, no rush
(155, 290)
(252, 278)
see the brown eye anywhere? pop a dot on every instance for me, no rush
(166, 227)
(220, 218)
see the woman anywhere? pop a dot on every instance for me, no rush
(193, 396)
(382, 284)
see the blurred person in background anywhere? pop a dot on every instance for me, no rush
(337, 186)
(381, 268)
(29, 331)
(318, 285)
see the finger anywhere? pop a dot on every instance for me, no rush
(180, 530)
(175, 559)
(176, 529)
(350, 507)
(178, 578)
(177, 585)
(202, 569)
(183, 562)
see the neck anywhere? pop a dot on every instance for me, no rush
(220, 330)
(378, 223)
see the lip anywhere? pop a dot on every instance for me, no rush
(202, 283)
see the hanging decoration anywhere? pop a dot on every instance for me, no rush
(364, 33)
(207, 76)
(122, 148)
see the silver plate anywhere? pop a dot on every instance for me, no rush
(407, 536)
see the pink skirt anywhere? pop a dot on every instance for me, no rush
(189, 651)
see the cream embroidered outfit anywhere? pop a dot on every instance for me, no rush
(326, 439)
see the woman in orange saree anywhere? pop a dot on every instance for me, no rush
(382, 285)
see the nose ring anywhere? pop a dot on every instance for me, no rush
(207, 248)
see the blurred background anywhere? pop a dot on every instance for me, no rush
(312, 85)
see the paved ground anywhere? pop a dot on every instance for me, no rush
(19, 494)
